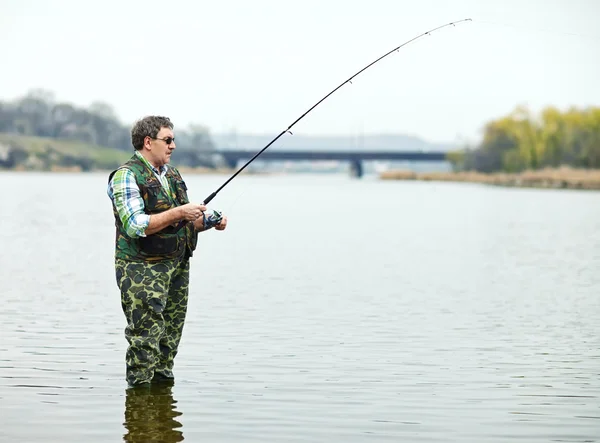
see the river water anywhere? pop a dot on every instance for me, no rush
(331, 309)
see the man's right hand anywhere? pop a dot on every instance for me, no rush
(191, 211)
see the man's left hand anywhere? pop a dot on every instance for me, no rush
(222, 224)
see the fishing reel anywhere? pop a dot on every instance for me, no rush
(211, 218)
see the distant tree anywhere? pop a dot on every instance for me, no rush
(35, 108)
(38, 113)
(521, 141)
(103, 110)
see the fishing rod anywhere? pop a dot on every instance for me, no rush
(349, 80)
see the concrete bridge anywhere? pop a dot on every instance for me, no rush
(356, 158)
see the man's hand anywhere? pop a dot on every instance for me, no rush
(191, 211)
(222, 225)
(210, 217)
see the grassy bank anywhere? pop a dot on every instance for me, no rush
(559, 178)
(26, 153)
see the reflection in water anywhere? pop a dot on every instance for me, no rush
(150, 415)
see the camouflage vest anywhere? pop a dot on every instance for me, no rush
(173, 241)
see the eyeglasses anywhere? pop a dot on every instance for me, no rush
(167, 140)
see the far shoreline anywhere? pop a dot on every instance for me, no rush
(548, 178)
(186, 170)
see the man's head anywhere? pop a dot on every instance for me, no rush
(153, 137)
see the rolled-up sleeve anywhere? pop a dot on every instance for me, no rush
(125, 194)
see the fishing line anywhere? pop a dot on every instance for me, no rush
(349, 80)
(227, 209)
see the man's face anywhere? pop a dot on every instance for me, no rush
(160, 150)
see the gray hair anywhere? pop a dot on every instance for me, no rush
(148, 127)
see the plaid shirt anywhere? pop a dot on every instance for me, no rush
(125, 195)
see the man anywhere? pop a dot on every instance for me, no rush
(156, 234)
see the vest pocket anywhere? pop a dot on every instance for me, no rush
(181, 192)
(159, 245)
(155, 197)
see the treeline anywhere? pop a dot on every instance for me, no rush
(521, 141)
(39, 114)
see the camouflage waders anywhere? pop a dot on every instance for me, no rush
(154, 298)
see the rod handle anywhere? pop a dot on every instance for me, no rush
(209, 198)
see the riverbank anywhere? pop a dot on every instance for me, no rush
(556, 178)
(185, 170)
(45, 154)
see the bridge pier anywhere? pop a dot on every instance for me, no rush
(356, 168)
(231, 162)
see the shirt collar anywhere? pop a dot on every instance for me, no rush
(163, 168)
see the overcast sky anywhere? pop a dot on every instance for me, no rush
(255, 66)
